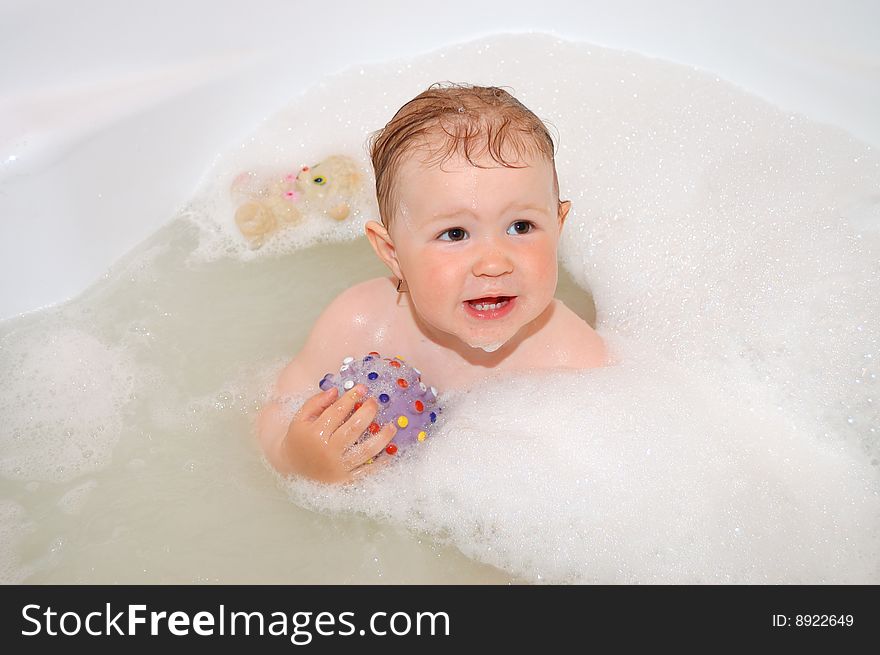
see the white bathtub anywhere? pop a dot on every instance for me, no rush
(110, 113)
(117, 434)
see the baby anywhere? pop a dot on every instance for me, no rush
(469, 201)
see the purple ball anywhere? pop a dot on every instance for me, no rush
(399, 391)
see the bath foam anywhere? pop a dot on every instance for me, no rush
(728, 243)
(637, 473)
(740, 252)
(62, 408)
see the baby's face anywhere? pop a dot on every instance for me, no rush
(464, 233)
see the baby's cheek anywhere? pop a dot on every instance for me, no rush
(438, 273)
(539, 265)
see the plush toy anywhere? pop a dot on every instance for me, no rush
(269, 204)
(399, 391)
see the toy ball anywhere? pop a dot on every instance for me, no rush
(401, 395)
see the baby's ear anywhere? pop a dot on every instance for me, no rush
(564, 207)
(374, 229)
(381, 241)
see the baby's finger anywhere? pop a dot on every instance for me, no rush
(361, 453)
(337, 413)
(370, 467)
(358, 427)
(316, 405)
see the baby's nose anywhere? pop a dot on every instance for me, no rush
(493, 259)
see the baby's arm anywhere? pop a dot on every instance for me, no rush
(320, 442)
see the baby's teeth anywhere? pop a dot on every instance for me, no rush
(483, 308)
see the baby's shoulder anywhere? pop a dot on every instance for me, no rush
(347, 326)
(359, 314)
(375, 288)
(577, 344)
(362, 302)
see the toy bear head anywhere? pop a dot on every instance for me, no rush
(335, 178)
(270, 203)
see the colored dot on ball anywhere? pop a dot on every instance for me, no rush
(399, 357)
(433, 417)
(374, 428)
(348, 360)
(394, 364)
(402, 421)
(419, 405)
(373, 352)
(348, 384)
(391, 449)
(373, 375)
(383, 397)
(403, 384)
(422, 435)
(357, 406)
(423, 387)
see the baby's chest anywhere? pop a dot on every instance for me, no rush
(391, 335)
(376, 327)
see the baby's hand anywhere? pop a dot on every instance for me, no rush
(322, 442)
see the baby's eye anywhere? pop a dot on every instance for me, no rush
(452, 231)
(526, 225)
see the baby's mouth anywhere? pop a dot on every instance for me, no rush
(490, 302)
(490, 306)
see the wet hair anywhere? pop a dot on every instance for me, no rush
(465, 119)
